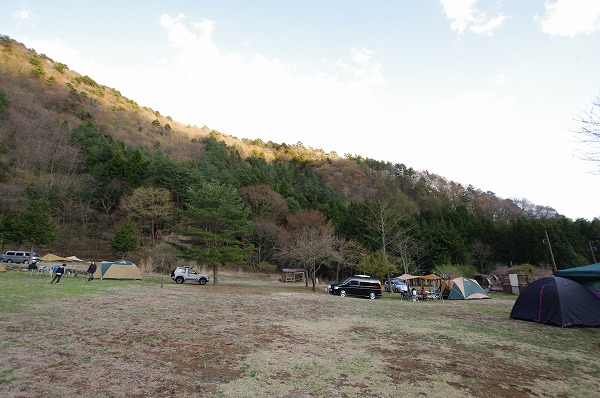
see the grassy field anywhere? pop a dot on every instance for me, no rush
(256, 337)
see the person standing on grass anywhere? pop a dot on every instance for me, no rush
(91, 271)
(58, 273)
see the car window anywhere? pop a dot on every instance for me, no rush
(353, 282)
(369, 284)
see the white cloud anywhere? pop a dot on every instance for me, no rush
(362, 69)
(24, 13)
(465, 16)
(24, 16)
(570, 17)
(501, 80)
(255, 96)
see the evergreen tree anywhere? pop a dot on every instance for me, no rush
(36, 225)
(126, 238)
(215, 227)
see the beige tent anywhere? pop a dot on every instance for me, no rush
(52, 258)
(407, 277)
(73, 258)
(2, 268)
(117, 270)
(433, 280)
(410, 280)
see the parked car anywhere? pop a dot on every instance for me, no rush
(357, 286)
(16, 256)
(397, 285)
(189, 274)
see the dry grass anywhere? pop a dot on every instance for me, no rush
(257, 337)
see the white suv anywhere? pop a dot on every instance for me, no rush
(189, 274)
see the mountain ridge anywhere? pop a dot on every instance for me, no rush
(45, 102)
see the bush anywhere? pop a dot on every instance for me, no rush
(60, 67)
(266, 267)
(162, 258)
(4, 102)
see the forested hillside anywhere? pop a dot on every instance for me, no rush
(86, 171)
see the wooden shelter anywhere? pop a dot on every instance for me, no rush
(292, 275)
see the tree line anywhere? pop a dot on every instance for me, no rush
(332, 217)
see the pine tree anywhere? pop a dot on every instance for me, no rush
(36, 226)
(126, 238)
(215, 227)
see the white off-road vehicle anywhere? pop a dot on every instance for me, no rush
(190, 275)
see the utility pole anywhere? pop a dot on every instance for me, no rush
(550, 247)
(592, 251)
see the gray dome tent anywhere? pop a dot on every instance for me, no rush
(558, 301)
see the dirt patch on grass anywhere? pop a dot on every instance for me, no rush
(245, 340)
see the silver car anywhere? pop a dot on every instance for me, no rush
(397, 285)
(15, 256)
(190, 275)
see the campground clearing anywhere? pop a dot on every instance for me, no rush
(257, 337)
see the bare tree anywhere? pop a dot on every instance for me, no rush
(150, 207)
(265, 239)
(408, 250)
(589, 132)
(482, 251)
(385, 221)
(351, 252)
(313, 248)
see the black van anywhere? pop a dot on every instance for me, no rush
(357, 286)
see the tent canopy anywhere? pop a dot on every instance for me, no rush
(557, 301)
(52, 258)
(592, 270)
(587, 275)
(73, 258)
(406, 277)
(462, 288)
(431, 277)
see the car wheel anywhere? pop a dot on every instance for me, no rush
(25, 261)
(9, 261)
(372, 296)
(179, 279)
(202, 281)
(396, 290)
(343, 293)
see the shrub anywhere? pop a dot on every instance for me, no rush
(88, 81)
(60, 67)
(38, 67)
(266, 267)
(4, 102)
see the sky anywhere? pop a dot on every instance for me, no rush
(484, 93)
